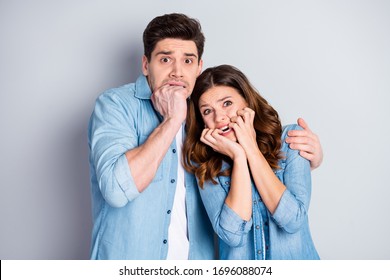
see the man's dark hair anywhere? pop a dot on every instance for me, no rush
(175, 26)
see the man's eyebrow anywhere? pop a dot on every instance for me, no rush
(171, 52)
(164, 53)
(191, 54)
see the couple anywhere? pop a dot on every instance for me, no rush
(148, 139)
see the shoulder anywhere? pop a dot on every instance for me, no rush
(288, 153)
(126, 98)
(287, 128)
(117, 94)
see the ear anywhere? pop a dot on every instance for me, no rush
(200, 66)
(145, 66)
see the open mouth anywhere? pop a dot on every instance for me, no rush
(225, 129)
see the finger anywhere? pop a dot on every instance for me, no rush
(300, 140)
(306, 155)
(250, 113)
(303, 148)
(205, 134)
(247, 114)
(302, 123)
(233, 119)
(238, 120)
(298, 133)
(206, 138)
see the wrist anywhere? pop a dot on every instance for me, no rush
(239, 156)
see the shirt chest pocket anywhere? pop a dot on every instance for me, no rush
(160, 171)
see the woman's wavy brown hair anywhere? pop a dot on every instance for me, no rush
(202, 160)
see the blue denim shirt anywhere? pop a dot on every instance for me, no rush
(128, 224)
(288, 235)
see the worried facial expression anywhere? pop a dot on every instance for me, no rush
(218, 105)
(174, 62)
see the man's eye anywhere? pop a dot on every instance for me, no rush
(188, 61)
(227, 103)
(165, 59)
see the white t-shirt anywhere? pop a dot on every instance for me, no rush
(178, 244)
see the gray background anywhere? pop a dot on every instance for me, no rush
(326, 61)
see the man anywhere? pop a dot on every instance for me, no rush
(145, 206)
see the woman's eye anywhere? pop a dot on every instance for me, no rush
(206, 112)
(227, 103)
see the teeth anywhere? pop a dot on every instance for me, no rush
(225, 128)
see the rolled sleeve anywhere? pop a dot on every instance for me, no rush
(124, 178)
(111, 134)
(233, 227)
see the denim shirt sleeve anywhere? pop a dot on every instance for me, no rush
(292, 210)
(111, 135)
(228, 225)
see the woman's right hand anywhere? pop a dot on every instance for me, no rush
(221, 144)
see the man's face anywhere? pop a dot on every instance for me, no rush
(174, 62)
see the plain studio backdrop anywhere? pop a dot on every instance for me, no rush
(325, 61)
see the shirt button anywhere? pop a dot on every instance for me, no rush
(174, 151)
(165, 241)
(227, 183)
(266, 223)
(173, 181)
(259, 252)
(257, 227)
(169, 212)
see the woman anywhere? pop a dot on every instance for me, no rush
(256, 190)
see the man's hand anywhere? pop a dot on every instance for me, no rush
(170, 101)
(307, 143)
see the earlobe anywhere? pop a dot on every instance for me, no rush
(145, 65)
(200, 66)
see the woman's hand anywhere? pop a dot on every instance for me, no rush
(221, 144)
(242, 125)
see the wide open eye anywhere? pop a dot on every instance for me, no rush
(206, 112)
(188, 61)
(227, 103)
(165, 59)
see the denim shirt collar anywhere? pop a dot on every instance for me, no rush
(143, 90)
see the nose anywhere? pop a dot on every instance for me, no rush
(177, 71)
(220, 116)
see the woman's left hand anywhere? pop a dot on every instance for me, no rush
(242, 125)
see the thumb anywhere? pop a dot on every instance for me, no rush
(301, 122)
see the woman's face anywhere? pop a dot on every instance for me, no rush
(218, 105)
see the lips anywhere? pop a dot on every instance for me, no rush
(177, 83)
